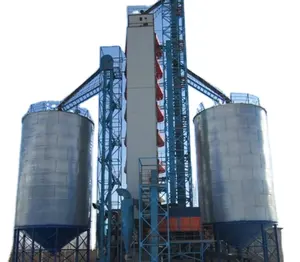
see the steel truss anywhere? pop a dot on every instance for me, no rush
(264, 248)
(109, 168)
(26, 249)
(153, 246)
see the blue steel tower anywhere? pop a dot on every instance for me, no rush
(109, 150)
(177, 104)
(170, 26)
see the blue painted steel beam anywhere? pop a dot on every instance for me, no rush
(264, 243)
(277, 243)
(154, 216)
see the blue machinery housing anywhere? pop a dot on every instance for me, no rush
(216, 239)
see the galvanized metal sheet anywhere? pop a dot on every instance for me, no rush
(234, 164)
(55, 174)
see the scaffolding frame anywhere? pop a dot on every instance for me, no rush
(109, 163)
(152, 244)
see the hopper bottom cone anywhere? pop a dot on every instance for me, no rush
(51, 238)
(241, 233)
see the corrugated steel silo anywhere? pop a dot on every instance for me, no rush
(234, 171)
(55, 177)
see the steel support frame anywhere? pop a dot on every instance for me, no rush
(264, 248)
(26, 249)
(177, 113)
(189, 249)
(268, 243)
(153, 246)
(191, 245)
(109, 167)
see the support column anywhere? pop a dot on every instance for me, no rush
(277, 243)
(264, 243)
(154, 216)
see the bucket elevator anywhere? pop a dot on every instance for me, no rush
(144, 111)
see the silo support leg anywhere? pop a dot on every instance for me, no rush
(264, 243)
(277, 243)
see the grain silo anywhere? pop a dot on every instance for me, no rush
(55, 177)
(234, 170)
